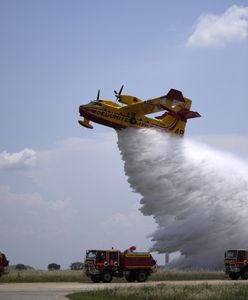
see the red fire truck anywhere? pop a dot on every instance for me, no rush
(3, 264)
(103, 265)
(236, 264)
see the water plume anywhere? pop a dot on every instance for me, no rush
(197, 195)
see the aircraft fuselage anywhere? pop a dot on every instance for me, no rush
(110, 116)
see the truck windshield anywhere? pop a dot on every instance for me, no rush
(91, 254)
(241, 255)
(231, 254)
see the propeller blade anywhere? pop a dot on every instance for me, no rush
(121, 89)
(118, 94)
(98, 95)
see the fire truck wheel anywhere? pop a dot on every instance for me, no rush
(107, 277)
(244, 274)
(141, 276)
(130, 277)
(233, 276)
(95, 278)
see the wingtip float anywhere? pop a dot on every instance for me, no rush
(133, 112)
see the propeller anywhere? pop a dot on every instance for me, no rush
(98, 95)
(118, 94)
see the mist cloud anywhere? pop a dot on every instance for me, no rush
(197, 195)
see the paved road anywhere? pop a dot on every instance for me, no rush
(57, 291)
(38, 291)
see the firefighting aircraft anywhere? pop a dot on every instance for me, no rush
(132, 112)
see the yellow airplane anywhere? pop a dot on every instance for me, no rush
(132, 112)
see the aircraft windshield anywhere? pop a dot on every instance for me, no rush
(91, 254)
(95, 103)
(231, 254)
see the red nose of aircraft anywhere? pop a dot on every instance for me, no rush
(82, 110)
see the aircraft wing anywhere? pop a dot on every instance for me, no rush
(156, 104)
(143, 108)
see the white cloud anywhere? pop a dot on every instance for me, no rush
(215, 31)
(17, 160)
(31, 212)
(129, 220)
(61, 206)
(34, 229)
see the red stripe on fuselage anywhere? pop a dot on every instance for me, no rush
(97, 119)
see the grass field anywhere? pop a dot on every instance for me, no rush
(44, 276)
(78, 276)
(159, 292)
(168, 292)
(163, 275)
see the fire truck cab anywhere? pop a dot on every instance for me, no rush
(3, 264)
(236, 264)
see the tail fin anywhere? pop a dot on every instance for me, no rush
(177, 111)
(176, 117)
(173, 123)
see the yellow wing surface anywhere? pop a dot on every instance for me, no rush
(143, 108)
(171, 102)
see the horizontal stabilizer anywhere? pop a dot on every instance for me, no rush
(192, 114)
(184, 114)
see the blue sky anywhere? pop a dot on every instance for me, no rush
(55, 55)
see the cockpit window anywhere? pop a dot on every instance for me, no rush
(96, 103)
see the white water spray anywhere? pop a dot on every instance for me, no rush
(198, 196)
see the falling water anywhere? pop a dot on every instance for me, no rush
(197, 195)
